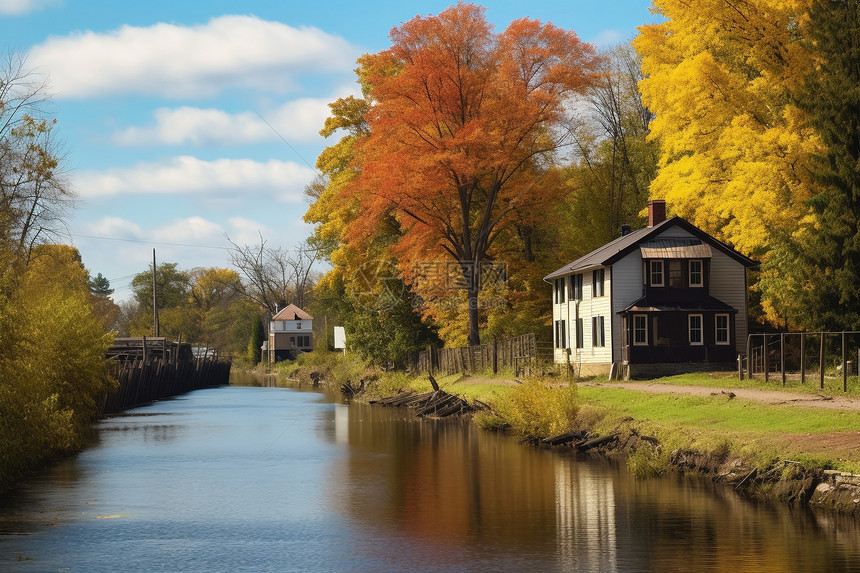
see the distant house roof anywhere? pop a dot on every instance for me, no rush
(624, 245)
(292, 312)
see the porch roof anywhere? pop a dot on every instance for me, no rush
(675, 248)
(711, 304)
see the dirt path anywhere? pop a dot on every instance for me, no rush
(773, 397)
(842, 445)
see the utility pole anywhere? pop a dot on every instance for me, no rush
(155, 328)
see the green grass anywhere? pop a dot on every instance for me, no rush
(720, 412)
(832, 385)
(758, 432)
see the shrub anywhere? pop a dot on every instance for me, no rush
(537, 409)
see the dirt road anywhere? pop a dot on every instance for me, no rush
(764, 396)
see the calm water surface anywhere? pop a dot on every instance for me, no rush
(270, 479)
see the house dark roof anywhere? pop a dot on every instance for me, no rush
(292, 312)
(711, 304)
(624, 245)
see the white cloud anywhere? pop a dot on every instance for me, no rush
(281, 180)
(180, 61)
(115, 227)
(247, 232)
(21, 7)
(298, 120)
(607, 39)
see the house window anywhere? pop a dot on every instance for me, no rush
(694, 329)
(560, 334)
(579, 331)
(292, 342)
(559, 290)
(640, 330)
(597, 283)
(676, 279)
(299, 325)
(576, 287)
(696, 273)
(722, 328)
(656, 271)
(598, 335)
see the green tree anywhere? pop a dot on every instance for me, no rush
(616, 160)
(818, 268)
(100, 286)
(258, 336)
(176, 315)
(53, 370)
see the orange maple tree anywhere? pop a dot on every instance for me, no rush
(464, 125)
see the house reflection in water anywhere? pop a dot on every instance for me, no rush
(585, 516)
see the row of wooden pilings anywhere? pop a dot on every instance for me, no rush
(152, 369)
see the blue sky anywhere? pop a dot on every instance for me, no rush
(185, 123)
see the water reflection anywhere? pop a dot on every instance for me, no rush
(585, 516)
(445, 494)
(266, 479)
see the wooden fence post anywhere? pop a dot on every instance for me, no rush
(803, 358)
(782, 356)
(766, 359)
(496, 355)
(844, 364)
(821, 364)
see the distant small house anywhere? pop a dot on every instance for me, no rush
(291, 332)
(664, 299)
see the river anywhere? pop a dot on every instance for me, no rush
(244, 478)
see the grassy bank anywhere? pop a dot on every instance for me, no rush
(786, 449)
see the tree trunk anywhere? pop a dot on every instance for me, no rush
(472, 298)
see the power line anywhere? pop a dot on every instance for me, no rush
(149, 242)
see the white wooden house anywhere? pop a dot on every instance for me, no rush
(291, 332)
(664, 299)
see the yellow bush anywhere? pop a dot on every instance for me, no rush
(537, 409)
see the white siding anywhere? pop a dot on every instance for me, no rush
(674, 233)
(292, 326)
(591, 307)
(565, 311)
(728, 284)
(626, 289)
(588, 307)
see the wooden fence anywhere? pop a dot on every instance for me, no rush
(520, 353)
(152, 368)
(797, 354)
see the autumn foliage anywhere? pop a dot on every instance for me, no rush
(462, 125)
(735, 145)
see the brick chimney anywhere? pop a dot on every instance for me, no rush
(656, 212)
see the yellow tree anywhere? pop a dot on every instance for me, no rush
(463, 124)
(735, 149)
